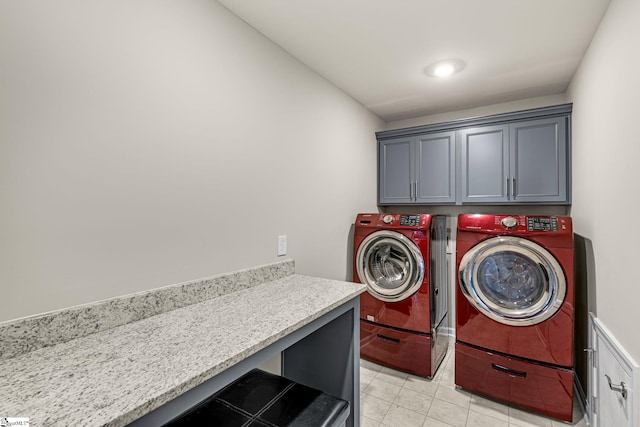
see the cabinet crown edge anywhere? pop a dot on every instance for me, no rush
(502, 118)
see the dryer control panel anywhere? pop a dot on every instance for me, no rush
(409, 219)
(536, 223)
(515, 224)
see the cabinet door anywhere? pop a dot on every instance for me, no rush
(435, 168)
(538, 150)
(484, 171)
(395, 171)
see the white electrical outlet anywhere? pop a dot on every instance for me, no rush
(282, 245)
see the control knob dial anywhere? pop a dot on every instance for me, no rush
(387, 219)
(509, 222)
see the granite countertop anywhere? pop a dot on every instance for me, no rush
(115, 376)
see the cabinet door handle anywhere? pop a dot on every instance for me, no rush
(507, 184)
(389, 339)
(513, 187)
(620, 388)
(508, 371)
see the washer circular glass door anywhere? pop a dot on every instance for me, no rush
(512, 280)
(390, 264)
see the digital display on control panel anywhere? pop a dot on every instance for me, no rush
(410, 220)
(542, 224)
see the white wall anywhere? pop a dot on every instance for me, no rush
(151, 142)
(606, 150)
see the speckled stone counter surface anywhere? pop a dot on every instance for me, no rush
(115, 376)
(32, 333)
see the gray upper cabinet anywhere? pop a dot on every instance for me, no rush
(523, 162)
(484, 172)
(514, 158)
(435, 168)
(396, 174)
(419, 169)
(538, 158)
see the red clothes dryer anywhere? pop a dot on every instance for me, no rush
(402, 260)
(515, 310)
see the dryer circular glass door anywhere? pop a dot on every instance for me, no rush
(390, 264)
(512, 280)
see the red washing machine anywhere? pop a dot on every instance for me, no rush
(515, 310)
(402, 260)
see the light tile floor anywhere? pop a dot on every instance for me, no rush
(397, 399)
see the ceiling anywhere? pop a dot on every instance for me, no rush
(376, 50)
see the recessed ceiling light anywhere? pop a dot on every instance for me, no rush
(444, 68)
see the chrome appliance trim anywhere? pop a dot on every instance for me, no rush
(547, 304)
(413, 273)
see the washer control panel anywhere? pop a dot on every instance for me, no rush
(542, 223)
(410, 220)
